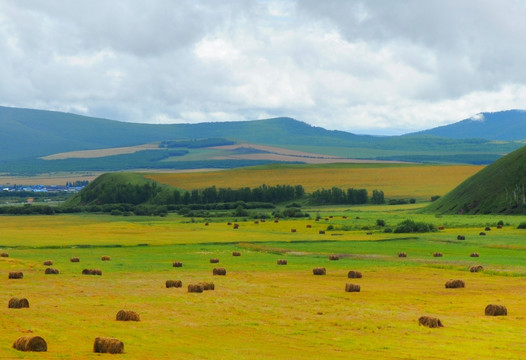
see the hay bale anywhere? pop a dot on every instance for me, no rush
(482, 233)
(461, 237)
(74, 259)
(455, 284)
(108, 345)
(292, 230)
(354, 274)
(195, 288)
(437, 254)
(236, 226)
(51, 271)
(282, 262)
(236, 253)
(430, 322)
(174, 283)
(309, 226)
(214, 261)
(4, 255)
(319, 271)
(30, 343)
(321, 232)
(177, 264)
(344, 217)
(276, 221)
(206, 224)
(127, 315)
(368, 233)
(48, 262)
(207, 286)
(474, 254)
(333, 257)
(496, 310)
(352, 288)
(105, 258)
(229, 223)
(476, 268)
(91, 272)
(16, 275)
(441, 228)
(16, 303)
(256, 222)
(499, 226)
(219, 271)
(487, 228)
(402, 254)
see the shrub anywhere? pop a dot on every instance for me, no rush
(522, 225)
(388, 230)
(380, 222)
(435, 197)
(410, 226)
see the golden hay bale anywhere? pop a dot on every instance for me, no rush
(282, 262)
(236, 253)
(256, 222)
(30, 343)
(108, 345)
(352, 288)
(206, 224)
(174, 283)
(219, 271)
(48, 262)
(437, 254)
(344, 217)
(309, 226)
(207, 286)
(51, 271)
(16, 303)
(229, 223)
(292, 230)
(454, 284)
(91, 272)
(499, 226)
(354, 274)
(236, 226)
(482, 233)
(105, 258)
(214, 261)
(195, 288)
(487, 228)
(126, 315)
(402, 254)
(430, 322)
(319, 271)
(496, 310)
(4, 255)
(440, 228)
(177, 264)
(476, 268)
(461, 237)
(333, 257)
(16, 275)
(276, 221)
(74, 259)
(474, 254)
(321, 232)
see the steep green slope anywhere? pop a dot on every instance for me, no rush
(496, 189)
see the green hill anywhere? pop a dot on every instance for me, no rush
(499, 188)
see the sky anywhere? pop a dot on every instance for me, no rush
(368, 67)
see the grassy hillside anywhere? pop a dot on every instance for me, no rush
(498, 188)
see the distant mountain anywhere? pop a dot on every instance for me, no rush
(502, 125)
(499, 188)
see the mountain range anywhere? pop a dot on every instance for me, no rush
(31, 139)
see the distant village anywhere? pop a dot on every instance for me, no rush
(69, 187)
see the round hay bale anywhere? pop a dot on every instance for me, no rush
(461, 237)
(207, 286)
(108, 345)
(441, 228)
(319, 271)
(91, 272)
(229, 223)
(16, 303)
(402, 255)
(4, 255)
(352, 288)
(206, 224)
(276, 221)
(30, 343)
(256, 222)
(344, 217)
(74, 259)
(309, 226)
(48, 262)
(454, 284)
(174, 283)
(496, 310)
(127, 315)
(482, 233)
(51, 271)
(214, 261)
(177, 264)
(236, 226)
(487, 228)
(499, 226)
(292, 230)
(476, 268)
(321, 232)
(105, 258)
(219, 271)
(437, 254)
(195, 288)
(474, 254)
(430, 322)
(354, 274)
(236, 253)
(16, 275)
(282, 262)
(333, 257)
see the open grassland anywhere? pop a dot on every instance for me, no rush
(260, 310)
(418, 181)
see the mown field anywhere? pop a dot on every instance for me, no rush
(260, 310)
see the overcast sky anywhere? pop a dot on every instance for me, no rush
(374, 67)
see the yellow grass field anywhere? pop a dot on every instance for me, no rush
(419, 181)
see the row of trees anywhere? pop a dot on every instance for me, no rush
(350, 196)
